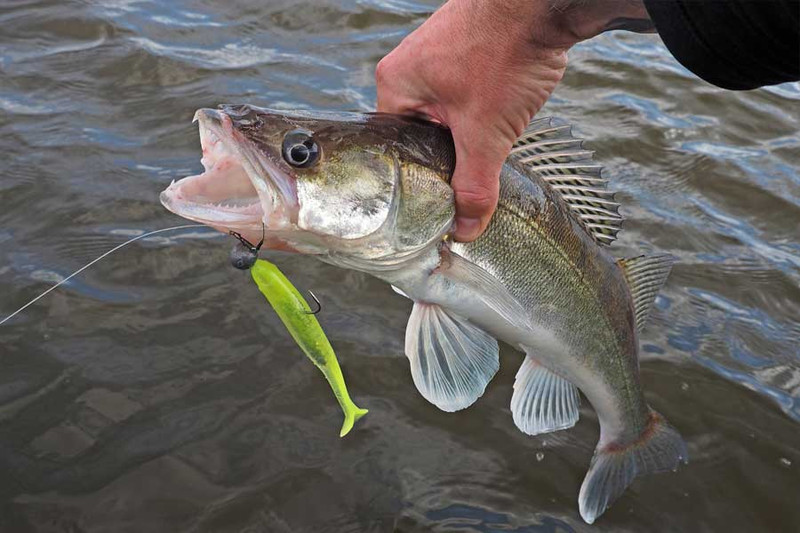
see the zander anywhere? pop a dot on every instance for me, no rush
(371, 192)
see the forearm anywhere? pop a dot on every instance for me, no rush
(550, 24)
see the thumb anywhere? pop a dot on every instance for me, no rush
(476, 182)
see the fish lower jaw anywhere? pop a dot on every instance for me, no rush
(217, 197)
(223, 196)
(221, 216)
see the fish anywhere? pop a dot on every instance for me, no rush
(371, 192)
(304, 328)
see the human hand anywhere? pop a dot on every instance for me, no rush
(483, 68)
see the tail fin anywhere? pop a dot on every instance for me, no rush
(352, 413)
(659, 448)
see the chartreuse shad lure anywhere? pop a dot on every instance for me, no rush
(299, 319)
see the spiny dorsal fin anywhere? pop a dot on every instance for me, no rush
(548, 150)
(646, 275)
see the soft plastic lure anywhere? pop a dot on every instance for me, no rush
(298, 318)
(291, 307)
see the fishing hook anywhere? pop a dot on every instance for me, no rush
(319, 305)
(253, 249)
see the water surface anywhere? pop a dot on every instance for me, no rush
(157, 392)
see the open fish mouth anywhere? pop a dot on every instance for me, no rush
(240, 190)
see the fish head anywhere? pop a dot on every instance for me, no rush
(369, 187)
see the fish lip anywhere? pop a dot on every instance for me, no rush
(274, 200)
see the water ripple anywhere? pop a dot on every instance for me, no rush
(231, 55)
(165, 360)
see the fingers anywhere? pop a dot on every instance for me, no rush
(426, 76)
(480, 150)
(476, 182)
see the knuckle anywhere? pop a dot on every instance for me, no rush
(383, 70)
(478, 198)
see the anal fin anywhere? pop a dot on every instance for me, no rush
(543, 401)
(452, 360)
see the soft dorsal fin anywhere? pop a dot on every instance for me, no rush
(646, 275)
(548, 150)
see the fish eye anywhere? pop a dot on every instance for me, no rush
(300, 149)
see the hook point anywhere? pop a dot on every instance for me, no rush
(319, 305)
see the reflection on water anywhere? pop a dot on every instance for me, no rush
(157, 392)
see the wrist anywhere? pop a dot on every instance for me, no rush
(578, 20)
(507, 21)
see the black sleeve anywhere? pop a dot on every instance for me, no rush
(735, 44)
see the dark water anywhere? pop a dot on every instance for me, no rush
(157, 392)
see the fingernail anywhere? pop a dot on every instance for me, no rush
(467, 228)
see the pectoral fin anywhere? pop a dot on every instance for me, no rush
(543, 401)
(452, 360)
(493, 293)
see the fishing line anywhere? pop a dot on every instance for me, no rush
(111, 251)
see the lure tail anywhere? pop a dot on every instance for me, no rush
(351, 414)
